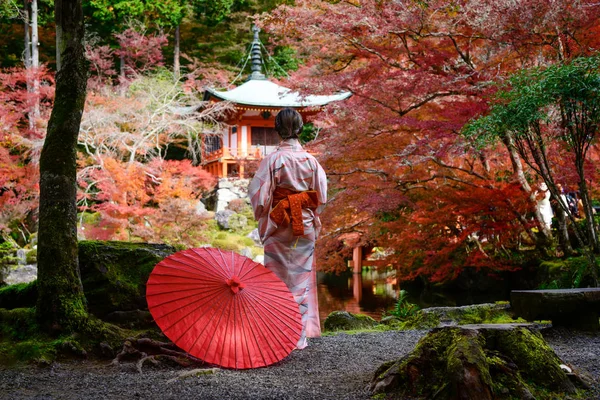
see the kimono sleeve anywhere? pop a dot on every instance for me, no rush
(320, 186)
(260, 192)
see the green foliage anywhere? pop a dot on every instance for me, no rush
(344, 321)
(309, 132)
(214, 11)
(9, 9)
(403, 307)
(523, 102)
(7, 254)
(283, 61)
(569, 273)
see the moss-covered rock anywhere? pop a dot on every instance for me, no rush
(23, 340)
(114, 274)
(345, 321)
(473, 314)
(476, 362)
(419, 320)
(19, 295)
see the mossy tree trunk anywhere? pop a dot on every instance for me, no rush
(481, 362)
(61, 302)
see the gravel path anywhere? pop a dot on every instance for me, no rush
(333, 367)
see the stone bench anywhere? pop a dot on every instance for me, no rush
(576, 308)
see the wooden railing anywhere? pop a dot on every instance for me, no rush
(229, 153)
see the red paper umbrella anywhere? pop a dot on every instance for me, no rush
(224, 308)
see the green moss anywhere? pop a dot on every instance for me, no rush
(509, 363)
(18, 323)
(226, 245)
(345, 321)
(19, 295)
(114, 274)
(419, 320)
(567, 273)
(31, 256)
(22, 340)
(537, 361)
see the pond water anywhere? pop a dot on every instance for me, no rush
(372, 292)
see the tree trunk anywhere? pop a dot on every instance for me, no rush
(563, 230)
(176, 65)
(519, 175)
(27, 60)
(61, 302)
(35, 60)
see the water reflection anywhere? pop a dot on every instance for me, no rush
(371, 292)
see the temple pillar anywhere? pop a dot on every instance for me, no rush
(357, 260)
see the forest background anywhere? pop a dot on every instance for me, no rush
(413, 174)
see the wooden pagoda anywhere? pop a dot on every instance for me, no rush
(250, 134)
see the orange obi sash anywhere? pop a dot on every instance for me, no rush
(288, 207)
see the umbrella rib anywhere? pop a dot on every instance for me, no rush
(194, 277)
(194, 266)
(194, 310)
(253, 333)
(250, 269)
(268, 309)
(256, 317)
(215, 261)
(178, 309)
(201, 262)
(211, 283)
(213, 336)
(208, 294)
(223, 295)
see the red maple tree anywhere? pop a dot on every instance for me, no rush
(402, 177)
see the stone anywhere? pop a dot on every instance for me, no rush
(114, 274)
(200, 208)
(576, 308)
(246, 252)
(225, 183)
(474, 313)
(260, 259)
(21, 295)
(20, 274)
(222, 218)
(194, 373)
(345, 321)
(255, 237)
(238, 222)
(224, 196)
(481, 362)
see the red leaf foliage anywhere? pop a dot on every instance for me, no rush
(402, 178)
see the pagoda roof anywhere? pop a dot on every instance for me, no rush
(264, 93)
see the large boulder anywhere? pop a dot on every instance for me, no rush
(222, 218)
(481, 362)
(20, 295)
(345, 321)
(224, 196)
(114, 274)
(471, 314)
(576, 308)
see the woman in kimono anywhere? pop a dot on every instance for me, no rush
(287, 194)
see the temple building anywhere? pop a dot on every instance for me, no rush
(251, 134)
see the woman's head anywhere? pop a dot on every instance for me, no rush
(288, 123)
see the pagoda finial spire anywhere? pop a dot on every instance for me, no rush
(256, 56)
